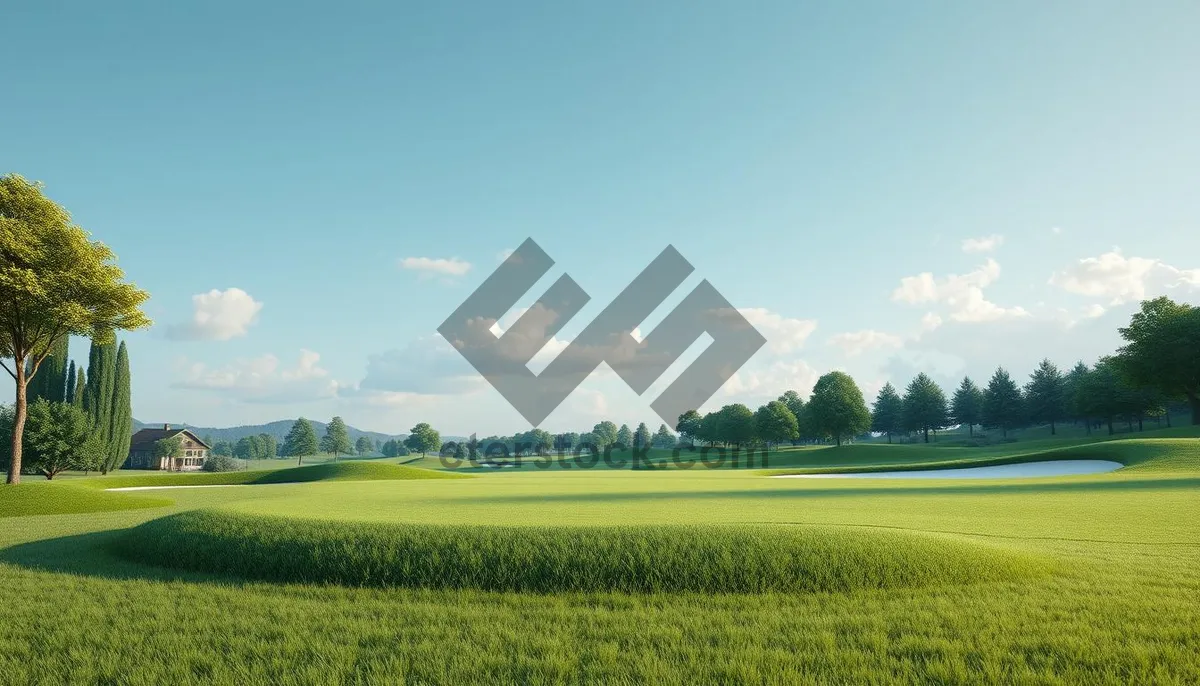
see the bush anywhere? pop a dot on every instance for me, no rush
(222, 463)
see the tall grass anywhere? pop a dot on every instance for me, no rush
(713, 558)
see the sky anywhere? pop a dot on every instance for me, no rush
(882, 188)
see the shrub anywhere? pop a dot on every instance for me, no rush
(222, 463)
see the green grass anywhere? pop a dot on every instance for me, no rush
(47, 499)
(1121, 603)
(331, 471)
(547, 559)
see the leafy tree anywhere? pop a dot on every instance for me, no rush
(166, 447)
(336, 439)
(54, 282)
(221, 448)
(1072, 400)
(423, 438)
(967, 405)
(924, 406)
(1045, 395)
(710, 428)
(796, 405)
(887, 417)
(301, 440)
(775, 423)
(390, 448)
(624, 436)
(688, 426)
(641, 437)
(55, 434)
(363, 445)
(51, 381)
(837, 408)
(1003, 406)
(245, 448)
(267, 446)
(120, 413)
(604, 434)
(663, 438)
(80, 386)
(1160, 351)
(735, 425)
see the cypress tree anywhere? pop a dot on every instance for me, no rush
(50, 382)
(80, 385)
(69, 393)
(98, 394)
(121, 414)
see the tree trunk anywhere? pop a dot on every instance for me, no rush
(1110, 427)
(889, 437)
(18, 435)
(926, 434)
(299, 460)
(839, 440)
(1052, 432)
(971, 430)
(1140, 423)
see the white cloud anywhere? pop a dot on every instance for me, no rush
(1122, 279)
(439, 266)
(984, 244)
(263, 379)
(961, 294)
(855, 343)
(929, 322)
(783, 334)
(760, 384)
(218, 316)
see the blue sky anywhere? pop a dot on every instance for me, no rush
(806, 159)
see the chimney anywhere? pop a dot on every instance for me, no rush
(166, 427)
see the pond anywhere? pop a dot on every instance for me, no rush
(1006, 471)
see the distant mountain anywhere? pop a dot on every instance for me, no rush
(278, 429)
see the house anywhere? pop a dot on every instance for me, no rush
(141, 450)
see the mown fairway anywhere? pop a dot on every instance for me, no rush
(1062, 580)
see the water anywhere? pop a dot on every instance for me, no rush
(1023, 470)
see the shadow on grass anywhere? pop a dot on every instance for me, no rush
(826, 492)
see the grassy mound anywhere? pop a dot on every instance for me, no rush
(354, 470)
(42, 499)
(712, 559)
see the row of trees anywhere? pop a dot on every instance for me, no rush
(604, 435)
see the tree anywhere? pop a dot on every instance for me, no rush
(924, 406)
(967, 405)
(735, 425)
(663, 438)
(51, 381)
(688, 426)
(837, 408)
(1045, 395)
(424, 438)
(390, 448)
(69, 385)
(120, 414)
(55, 435)
(1162, 341)
(624, 436)
(796, 405)
(1003, 407)
(336, 439)
(80, 386)
(775, 423)
(887, 416)
(1072, 400)
(363, 445)
(710, 428)
(604, 434)
(98, 394)
(167, 447)
(301, 440)
(641, 437)
(54, 282)
(267, 446)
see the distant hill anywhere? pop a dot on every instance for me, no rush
(278, 429)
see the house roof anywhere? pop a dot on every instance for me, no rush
(146, 438)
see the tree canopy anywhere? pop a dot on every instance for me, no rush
(1003, 406)
(966, 407)
(300, 441)
(1045, 395)
(837, 408)
(1161, 344)
(336, 439)
(887, 417)
(775, 423)
(424, 439)
(924, 406)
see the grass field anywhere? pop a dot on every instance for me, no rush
(1089, 579)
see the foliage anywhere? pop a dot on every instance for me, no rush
(168, 447)
(336, 439)
(423, 438)
(837, 408)
(98, 395)
(663, 438)
(1003, 406)
(887, 416)
(624, 436)
(641, 437)
(222, 463)
(735, 425)
(967, 405)
(254, 447)
(120, 413)
(775, 423)
(1160, 351)
(1045, 395)
(54, 282)
(604, 434)
(300, 441)
(393, 448)
(688, 426)
(924, 406)
(69, 384)
(54, 435)
(51, 380)
(364, 446)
